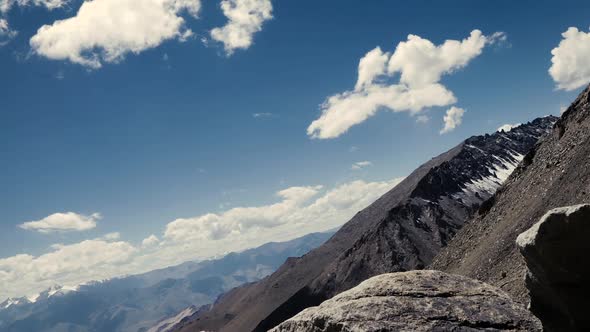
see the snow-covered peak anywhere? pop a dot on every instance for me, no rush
(14, 302)
(55, 290)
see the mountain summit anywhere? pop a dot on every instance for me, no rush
(403, 230)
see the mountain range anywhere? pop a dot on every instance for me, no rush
(151, 300)
(403, 230)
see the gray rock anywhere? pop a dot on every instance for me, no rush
(415, 301)
(555, 250)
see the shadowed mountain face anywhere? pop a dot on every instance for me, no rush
(137, 303)
(402, 230)
(555, 173)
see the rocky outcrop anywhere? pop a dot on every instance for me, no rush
(556, 252)
(403, 230)
(555, 173)
(416, 301)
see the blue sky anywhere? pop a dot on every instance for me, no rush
(182, 128)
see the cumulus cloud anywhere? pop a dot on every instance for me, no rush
(150, 241)
(301, 210)
(112, 236)
(297, 211)
(245, 18)
(107, 30)
(215, 226)
(420, 65)
(371, 66)
(360, 165)
(570, 64)
(64, 264)
(508, 127)
(62, 222)
(452, 119)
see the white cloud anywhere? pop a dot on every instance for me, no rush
(422, 119)
(65, 264)
(420, 65)
(298, 211)
(6, 34)
(360, 165)
(508, 127)
(452, 119)
(112, 236)
(62, 222)
(107, 30)
(262, 115)
(216, 226)
(570, 68)
(150, 241)
(371, 66)
(245, 18)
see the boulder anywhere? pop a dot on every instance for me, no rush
(415, 301)
(558, 278)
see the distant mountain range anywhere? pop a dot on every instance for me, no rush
(150, 301)
(403, 230)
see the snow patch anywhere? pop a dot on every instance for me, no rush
(487, 186)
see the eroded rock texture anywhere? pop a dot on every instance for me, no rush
(416, 301)
(555, 250)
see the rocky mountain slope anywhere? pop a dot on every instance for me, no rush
(403, 230)
(555, 173)
(416, 301)
(139, 302)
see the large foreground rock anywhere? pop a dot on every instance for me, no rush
(556, 253)
(415, 301)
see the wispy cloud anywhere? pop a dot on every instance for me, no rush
(6, 33)
(263, 115)
(422, 119)
(360, 165)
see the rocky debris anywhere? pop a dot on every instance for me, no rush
(403, 230)
(416, 301)
(555, 173)
(555, 251)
